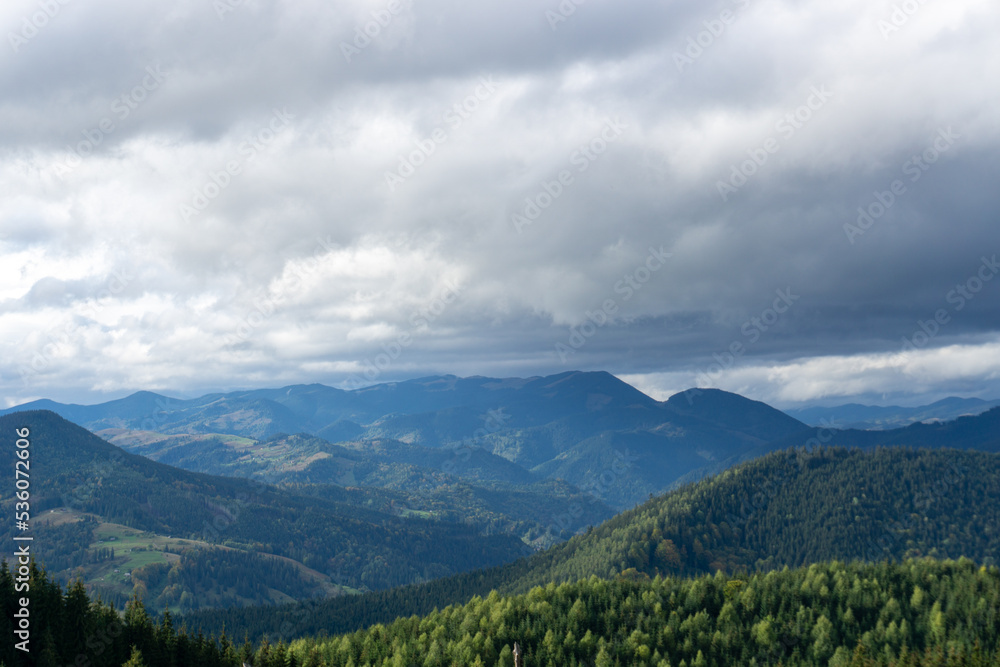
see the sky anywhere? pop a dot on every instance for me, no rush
(790, 199)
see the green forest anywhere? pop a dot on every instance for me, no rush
(815, 556)
(918, 612)
(787, 508)
(353, 546)
(450, 484)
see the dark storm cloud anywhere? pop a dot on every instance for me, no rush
(295, 185)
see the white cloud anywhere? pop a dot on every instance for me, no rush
(902, 376)
(387, 254)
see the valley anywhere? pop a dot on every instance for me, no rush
(428, 499)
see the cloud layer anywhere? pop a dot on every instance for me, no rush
(787, 198)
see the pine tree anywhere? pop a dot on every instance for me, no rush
(136, 659)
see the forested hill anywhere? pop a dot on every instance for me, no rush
(980, 432)
(920, 613)
(787, 508)
(796, 507)
(91, 484)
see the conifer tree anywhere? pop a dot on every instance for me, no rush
(136, 659)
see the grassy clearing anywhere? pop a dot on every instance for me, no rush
(136, 549)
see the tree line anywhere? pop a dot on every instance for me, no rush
(916, 613)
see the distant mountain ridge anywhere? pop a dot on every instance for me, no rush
(588, 428)
(489, 463)
(316, 406)
(979, 432)
(874, 417)
(604, 437)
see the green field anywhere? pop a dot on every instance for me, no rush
(133, 549)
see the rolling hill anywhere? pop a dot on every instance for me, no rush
(792, 507)
(86, 490)
(470, 486)
(584, 428)
(878, 418)
(918, 613)
(980, 432)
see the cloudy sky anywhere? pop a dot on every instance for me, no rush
(791, 199)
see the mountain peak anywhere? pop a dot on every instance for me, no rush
(594, 381)
(733, 411)
(695, 399)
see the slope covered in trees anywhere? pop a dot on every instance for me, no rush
(787, 508)
(916, 613)
(797, 507)
(67, 628)
(464, 485)
(355, 546)
(920, 612)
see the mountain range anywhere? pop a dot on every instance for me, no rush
(789, 508)
(583, 428)
(123, 522)
(312, 491)
(878, 418)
